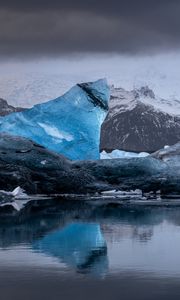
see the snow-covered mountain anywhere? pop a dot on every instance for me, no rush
(140, 121)
(122, 100)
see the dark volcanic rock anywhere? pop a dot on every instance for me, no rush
(37, 170)
(6, 109)
(29, 165)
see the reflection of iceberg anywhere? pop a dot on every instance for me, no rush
(69, 125)
(79, 245)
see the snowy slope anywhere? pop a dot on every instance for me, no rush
(122, 100)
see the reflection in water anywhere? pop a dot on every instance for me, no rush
(79, 245)
(97, 239)
(132, 252)
(49, 250)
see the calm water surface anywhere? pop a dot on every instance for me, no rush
(87, 251)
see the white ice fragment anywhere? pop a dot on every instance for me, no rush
(119, 192)
(18, 192)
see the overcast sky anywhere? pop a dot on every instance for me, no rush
(53, 28)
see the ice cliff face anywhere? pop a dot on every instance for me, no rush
(69, 125)
(139, 121)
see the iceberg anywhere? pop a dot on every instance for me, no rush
(69, 125)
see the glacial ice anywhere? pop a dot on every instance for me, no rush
(121, 154)
(125, 154)
(69, 125)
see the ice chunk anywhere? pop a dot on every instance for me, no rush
(122, 154)
(15, 199)
(69, 125)
(17, 192)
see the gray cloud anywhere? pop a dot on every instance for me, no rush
(58, 27)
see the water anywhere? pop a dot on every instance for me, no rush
(81, 250)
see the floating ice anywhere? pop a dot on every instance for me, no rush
(69, 125)
(17, 192)
(122, 154)
(16, 199)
